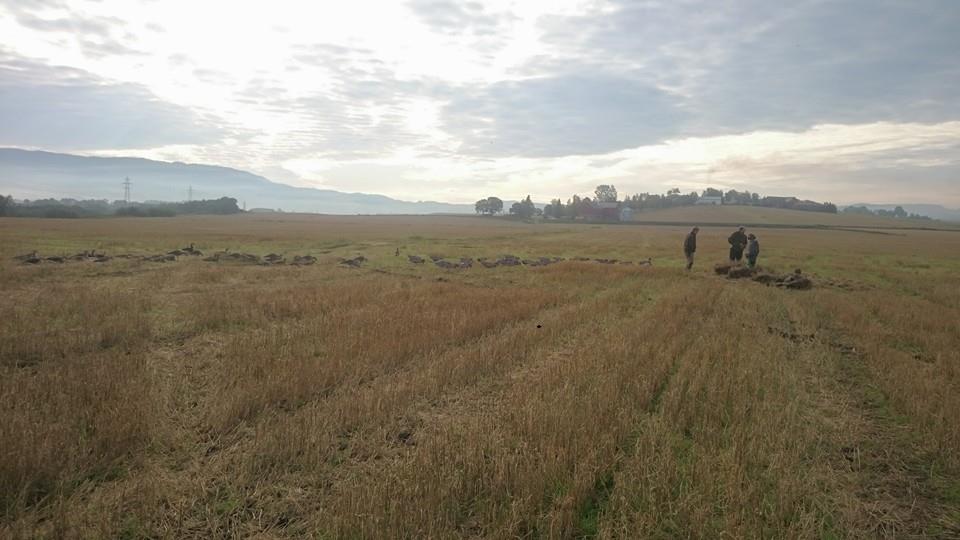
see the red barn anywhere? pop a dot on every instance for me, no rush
(603, 211)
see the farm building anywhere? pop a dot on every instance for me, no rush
(710, 200)
(626, 214)
(602, 211)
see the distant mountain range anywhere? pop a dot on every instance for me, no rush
(27, 174)
(934, 211)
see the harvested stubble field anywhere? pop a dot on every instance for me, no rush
(195, 399)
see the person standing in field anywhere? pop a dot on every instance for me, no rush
(738, 241)
(690, 246)
(753, 250)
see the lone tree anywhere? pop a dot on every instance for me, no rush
(489, 206)
(481, 207)
(6, 204)
(606, 193)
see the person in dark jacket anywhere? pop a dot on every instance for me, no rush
(690, 246)
(738, 241)
(753, 250)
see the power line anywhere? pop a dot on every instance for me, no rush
(126, 190)
(190, 194)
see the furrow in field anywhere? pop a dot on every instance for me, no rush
(514, 458)
(895, 480)
(713, 458)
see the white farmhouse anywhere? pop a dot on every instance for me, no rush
(710, 200)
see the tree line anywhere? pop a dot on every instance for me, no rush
(898, 212)
(75, 208)
(494, 205)
(579, 207)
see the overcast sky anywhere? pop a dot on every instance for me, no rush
(846, 101)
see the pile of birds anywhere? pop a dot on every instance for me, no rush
(189, 250)
(84, 256)
(274, 259)
(226, 256)
(170, 256)
(512, 260)
(354, 262)
(270, 259)
(795, 280)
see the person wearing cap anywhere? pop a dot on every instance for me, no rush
(690, 246)
(738, 241)
(753, 250)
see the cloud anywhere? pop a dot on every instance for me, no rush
(68, 109)
(751, 64)
(357, 109)
(576, 113)
(106, 47)
(458, 18)
(213, 76)
(643, 72)
(841, 62)
(96, 36)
